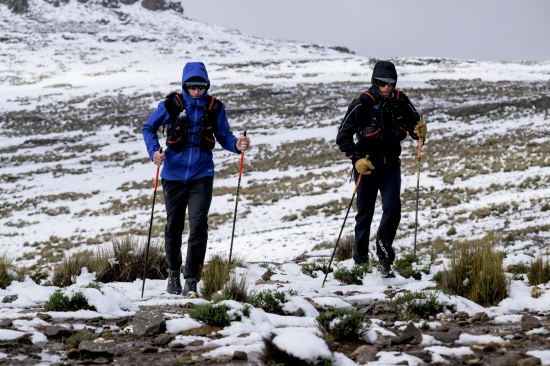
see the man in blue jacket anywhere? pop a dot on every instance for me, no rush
(194, 121)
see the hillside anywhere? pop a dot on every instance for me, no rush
(79, 79)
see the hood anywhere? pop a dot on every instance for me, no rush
(194, 69)
(385, 71)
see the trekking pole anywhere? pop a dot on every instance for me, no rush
(345, 218)
(150, 227)
(237, 201)
(420, 142)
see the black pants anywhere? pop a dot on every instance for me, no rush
(388, 181)
(195, 196)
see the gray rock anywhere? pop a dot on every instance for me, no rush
(529, 322)
(364, 354)
(338, 293)
(447, 337)
(97, 349)
(410, 335)
(148, 322)
(6, 323)
(163, 339)
(9, 299)
(423, 355)
(509, 359)
(73, 354)
(529, 361)
(55, 331)
(43, 316)
(148, 348)
(239, 355)
(480, 317)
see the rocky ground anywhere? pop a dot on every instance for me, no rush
(477, 338)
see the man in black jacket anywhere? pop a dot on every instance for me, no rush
(380, 118)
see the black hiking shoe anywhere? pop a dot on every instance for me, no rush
(174, 282)
(190, 289)
(385, 270)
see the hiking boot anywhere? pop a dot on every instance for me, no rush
(174, 282)
(385, 270)
(190, 289)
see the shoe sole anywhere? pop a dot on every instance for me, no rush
(191, 296)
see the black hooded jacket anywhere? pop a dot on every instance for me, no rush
(379, 123)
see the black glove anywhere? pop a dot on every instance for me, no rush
(174, 105)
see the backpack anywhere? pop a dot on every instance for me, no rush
(373, 128)
(178, 131)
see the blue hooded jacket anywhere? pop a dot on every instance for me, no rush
(192, 162)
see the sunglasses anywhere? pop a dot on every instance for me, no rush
(195, 87)
(382, 84)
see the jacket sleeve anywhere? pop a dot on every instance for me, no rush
(224, 136)
(410, 115)
(348, 127)
(149, 129)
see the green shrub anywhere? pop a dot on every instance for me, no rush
(404, 266)
(353, 276)
(415, 305)
(475, 272)
(83, 335)
(271, 301)
(438, 277)
(218, 314)
(538, 271)
(59, 301)
(319, 264)
(341, 324)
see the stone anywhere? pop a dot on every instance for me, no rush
(25, 339)
(480, 317)
(509, 359)
(338, 293)
(96, 349)
(364, 354)
(122, 322)
(148, 322)
(6, 323)
(9, 299)
(267, 275)
(43, 316)
(55, 331)
(491, 347)
(260, 282)
(299, 312)
(404, 362)
(447, 337)
(148, 348)
(196, 342)
(529, 322)
(423, 355)
(462, 315)
(163, 339)
(529, 361)
(410, 335)
(73, 354)
(239, 355)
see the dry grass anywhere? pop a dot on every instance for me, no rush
(215, 275)
(476, 272)
(9, 271)
(538, 272)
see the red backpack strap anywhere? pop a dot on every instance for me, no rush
(370, 95)
(397, 94)
(210, 102)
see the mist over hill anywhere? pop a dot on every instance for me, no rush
(78, 79)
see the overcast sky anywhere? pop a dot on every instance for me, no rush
(484, 30)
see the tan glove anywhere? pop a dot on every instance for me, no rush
(420, 129)
(364, 166)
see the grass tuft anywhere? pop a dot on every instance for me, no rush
(214, 275)
(404, 266)
(342, 324)
(59, 301)
(345, 247)
(310, 268)
(415, 305)
(538, 271)
(84, 335)
(219, 315)
(353, 276)
(9, 272)
(476, 272)
(271, 301)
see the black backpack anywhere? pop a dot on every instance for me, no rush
(178, 131)
(373, 129)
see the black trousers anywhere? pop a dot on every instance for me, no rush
(195, 196)
(387, 180)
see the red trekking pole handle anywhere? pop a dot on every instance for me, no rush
(242, 161)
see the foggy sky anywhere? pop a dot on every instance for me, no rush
(484, 30)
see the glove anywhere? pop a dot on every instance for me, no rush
(172, 105)
(364, 166)
(420, 129)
